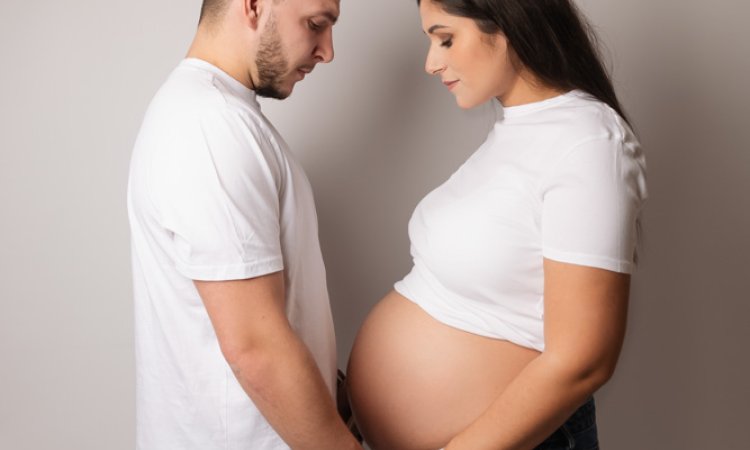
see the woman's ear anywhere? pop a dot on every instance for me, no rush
(513, 57)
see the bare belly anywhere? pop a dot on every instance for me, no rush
(415, 382)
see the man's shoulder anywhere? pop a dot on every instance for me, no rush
(195, 122)
(191, 103)
(194, 93)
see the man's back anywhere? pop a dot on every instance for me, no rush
(214, 195)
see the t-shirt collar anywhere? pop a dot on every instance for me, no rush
(506, 112)
(238, 88)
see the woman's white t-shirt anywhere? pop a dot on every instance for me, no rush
(562, 179)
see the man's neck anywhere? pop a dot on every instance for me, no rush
(214, 48)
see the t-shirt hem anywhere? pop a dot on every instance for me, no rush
(231, 271)
(402, 287)
(599, 262)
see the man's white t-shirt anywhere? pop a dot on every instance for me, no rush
(214, 194)
(562, 179)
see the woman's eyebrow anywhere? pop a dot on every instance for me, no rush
(435, 27)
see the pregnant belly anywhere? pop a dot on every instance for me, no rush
(415, 382)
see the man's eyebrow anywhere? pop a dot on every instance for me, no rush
(435, 27)
(332, 17)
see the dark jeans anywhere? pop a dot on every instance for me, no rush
(577, 433)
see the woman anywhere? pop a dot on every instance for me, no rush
(514, 312)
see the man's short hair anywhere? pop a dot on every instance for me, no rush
(211, 10)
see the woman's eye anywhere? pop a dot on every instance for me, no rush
(446, 43)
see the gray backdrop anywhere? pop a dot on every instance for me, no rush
(375, 134)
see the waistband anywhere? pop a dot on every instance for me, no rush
(583, 418)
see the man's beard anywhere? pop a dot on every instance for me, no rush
(271, 63)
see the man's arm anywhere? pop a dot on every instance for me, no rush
(271, 363)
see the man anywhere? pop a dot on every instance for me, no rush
(234, 336)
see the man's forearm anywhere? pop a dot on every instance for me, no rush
(285, 384)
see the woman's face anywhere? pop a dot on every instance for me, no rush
(473, 65)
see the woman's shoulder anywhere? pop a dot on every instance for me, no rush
(554, 128)
(584, 118)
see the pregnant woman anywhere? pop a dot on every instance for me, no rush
(514, 312)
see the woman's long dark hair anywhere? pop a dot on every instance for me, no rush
(550, 38)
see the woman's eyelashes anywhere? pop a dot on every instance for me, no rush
(447, 42)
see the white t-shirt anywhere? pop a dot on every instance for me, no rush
(562, 179)
(214, 194)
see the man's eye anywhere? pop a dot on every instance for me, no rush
(447, 43)
(314, 26)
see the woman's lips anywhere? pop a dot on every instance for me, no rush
(450, 84)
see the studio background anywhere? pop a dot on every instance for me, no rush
(375, 134)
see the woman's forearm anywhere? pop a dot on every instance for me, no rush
(532, 407)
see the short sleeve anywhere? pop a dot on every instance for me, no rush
(591, 202)
(216, 190)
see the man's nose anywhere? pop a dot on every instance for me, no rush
(324, 50)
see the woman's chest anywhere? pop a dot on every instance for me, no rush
(482, 225)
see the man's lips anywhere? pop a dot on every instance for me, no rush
(304, 70)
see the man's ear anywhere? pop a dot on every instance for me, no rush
(252, 10)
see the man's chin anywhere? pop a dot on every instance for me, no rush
(281, 89)
(287, 91)
(273, 92)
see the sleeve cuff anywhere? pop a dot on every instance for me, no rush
(600, 262)
(231, 271)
